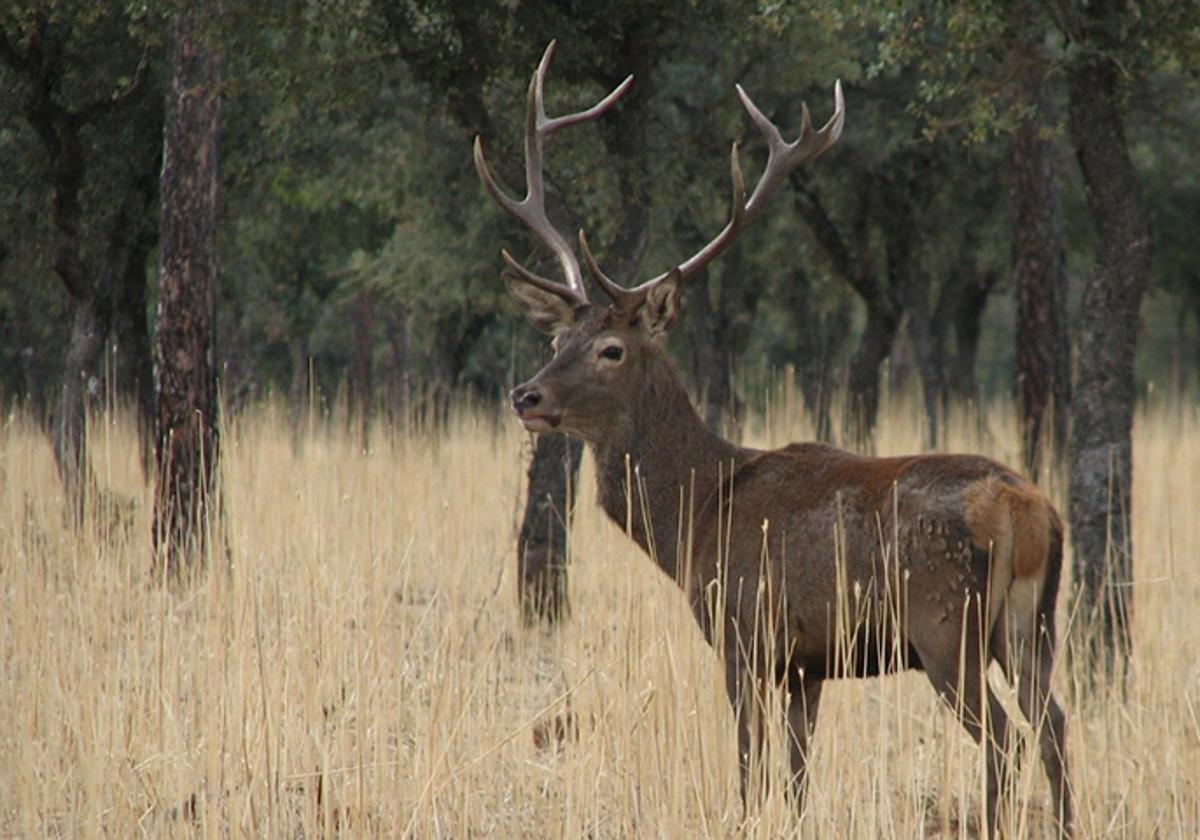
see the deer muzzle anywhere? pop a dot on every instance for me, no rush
(535, 411)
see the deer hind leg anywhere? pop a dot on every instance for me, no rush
(802, 709)
(737, 678)
(1028, 660)
(954, 662)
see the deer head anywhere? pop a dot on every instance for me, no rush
(604, 353)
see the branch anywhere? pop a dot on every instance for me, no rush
(102, 107)
(808, 202)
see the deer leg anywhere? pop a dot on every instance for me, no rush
(803, 704)
(1028, 664)
(748, 684)
(962, 683)
(742, 703)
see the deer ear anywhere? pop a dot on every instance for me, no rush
(548, 312)
(661, 306)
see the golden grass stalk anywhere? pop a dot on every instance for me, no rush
(361, 668)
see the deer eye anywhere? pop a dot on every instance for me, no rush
(613, 352)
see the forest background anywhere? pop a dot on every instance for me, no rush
(1009, 212)
(272, 207)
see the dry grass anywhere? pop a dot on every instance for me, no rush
(361, 670)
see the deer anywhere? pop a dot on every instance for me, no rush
(805, 563)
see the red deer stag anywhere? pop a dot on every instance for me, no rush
(940, 562)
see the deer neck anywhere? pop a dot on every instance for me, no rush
(659, 465)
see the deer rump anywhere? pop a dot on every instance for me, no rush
(841, 565)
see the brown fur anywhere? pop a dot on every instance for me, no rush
(1011, 519)
(784, 536)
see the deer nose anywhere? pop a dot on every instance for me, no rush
(525, 397)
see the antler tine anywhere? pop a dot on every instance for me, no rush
(620, 296)
(549, 125)
(534, 279)
(532, 209)
(783, 158)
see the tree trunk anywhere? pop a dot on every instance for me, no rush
(361, 389)
(35, 392)
(818, 343)
(862, 397)
(90, 321)
(237, 375)
(624, 132)
(856, 266)
(454, 335)
(60, 130)
(19, 320)
(902, 196)
(1043, 376)
(300, 386)
(966, 312)
(186, 503)
(928, 342)
(740, 294)
(718, 332)
(708, 357)
(812, 366)
(1102, 404)
(542, 543)
(134, 366)
(80, 387)
(399, 377)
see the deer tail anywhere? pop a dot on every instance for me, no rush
(1016, 523)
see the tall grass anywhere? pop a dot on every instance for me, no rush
(358, 666)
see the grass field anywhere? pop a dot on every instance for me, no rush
(361, 669)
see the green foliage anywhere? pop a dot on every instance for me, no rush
(347, 128)
(94, 69)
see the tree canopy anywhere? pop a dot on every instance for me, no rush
(346, 172)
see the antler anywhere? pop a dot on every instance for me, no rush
(782, 160)
(532, 209)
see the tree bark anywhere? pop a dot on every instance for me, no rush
(966, 312)
(903, 194)
(1102, 404)
(928, 341)
(819, 339)
(186, 501)
(134, 361)
(81, 367)
(361, 386)
(720, 334)
(542, 543)
(80, 386)
(31, 371)
(236, 374)
(134, 354)
(874, 348)
(299, 387)
(116, 298)
(454, 334)
(399, 379)
(1043, 376)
